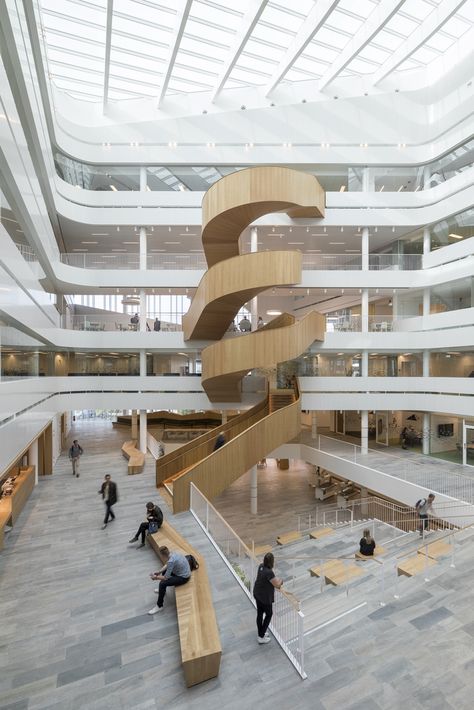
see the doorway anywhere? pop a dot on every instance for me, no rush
(468, 443)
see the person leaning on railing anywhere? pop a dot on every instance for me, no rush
(264, 594)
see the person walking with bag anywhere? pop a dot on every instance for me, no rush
(75, 453)
(264, 594)
(109, 493)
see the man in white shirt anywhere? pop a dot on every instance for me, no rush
(175, 572)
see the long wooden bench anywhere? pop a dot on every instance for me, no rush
(136, 459)
(198, 631)
(289, 537)
(436, 549)
(377, 552)
(415, 565)
(12, 505)
(318, 533)
(336, 572)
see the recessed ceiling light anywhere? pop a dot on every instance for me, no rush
(456, 236)
(99, 234)
(80, 249)
(129, 242)
(172, 242)
(89, 242)
(112, 187)
(355, 251)
(188, 234)
(336, 243)
(273, 313)
(157, 249)
(295, 243)
(119, 250)
(342, 188)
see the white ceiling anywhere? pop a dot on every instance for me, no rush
(114, 50)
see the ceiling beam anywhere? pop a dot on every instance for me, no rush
(315, 20)
(108, 45)
(434, 22)
(181, 19)
(246, 28)
(372, 26)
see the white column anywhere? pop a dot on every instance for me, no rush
(426, 240)
(365, 364)
(426, 301)
(426, 177)
(364, 431)
(395, 306)
(426, 363)
(365, 310)
(253, 490)
(142, 363)
(224, 416)
(143, 248)
(472, 291)
(142, 310)
(365, 248)
(254, 302)
(426, 433)
(314, 425)
(33, 458)
(368, 180)
(143, 430)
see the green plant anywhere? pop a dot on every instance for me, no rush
(241, 574)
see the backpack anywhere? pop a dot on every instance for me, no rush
(420, 503)
(193, 563)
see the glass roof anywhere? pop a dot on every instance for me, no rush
(210, 45)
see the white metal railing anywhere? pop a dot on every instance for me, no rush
(287, 623)
(27, 252)
(162, 261)
(353, 262)
(455, 485)
(121, 323)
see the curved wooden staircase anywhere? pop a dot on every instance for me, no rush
(230, 206)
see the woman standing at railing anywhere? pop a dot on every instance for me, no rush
(264, 594)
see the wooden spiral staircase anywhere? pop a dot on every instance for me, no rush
(230, 206)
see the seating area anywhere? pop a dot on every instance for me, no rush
(136, 459)
(198, 631)
(12, 505)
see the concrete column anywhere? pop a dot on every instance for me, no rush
(253, 490)
(364, 431)
(143, 430)
(314, 425)
(134, 424)
(368, 180)
(365, 248)
(426, 301)
(364, 507)
(143, 249)
(33, 458)
(426, 433)
(365, 310)
(395, 306)
(142, 363)
(142, 178)
(364, 364)
(426, 177)
(426, 363)
(426, 240)
(224, 416)
(254, 301)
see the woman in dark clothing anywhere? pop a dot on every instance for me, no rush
(367, 544)
(264, 594)
(154, 518)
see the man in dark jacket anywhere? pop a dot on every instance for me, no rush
(220, 441)
(154, 521)
(109, 493)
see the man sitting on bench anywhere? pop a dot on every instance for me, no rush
(175, 572)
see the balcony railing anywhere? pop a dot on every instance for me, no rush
(98, 323)
(315, 262)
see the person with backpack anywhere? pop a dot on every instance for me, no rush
(264, 594)
(424, 507)
(75, 453)
(175, 572)
(154, 521)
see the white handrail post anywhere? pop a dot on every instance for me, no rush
(452, 550)
(321, 575)
(382, 593)
(293, 573)
(336, 515)
(397, 591)
(324, 518)
(301, 642)
(426, 563)
(207, 516)
(352, 517)
(345, 577)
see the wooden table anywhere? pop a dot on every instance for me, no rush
(11, 506)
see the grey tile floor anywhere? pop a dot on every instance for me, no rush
(74, 631)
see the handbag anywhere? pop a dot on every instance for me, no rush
(152, 527)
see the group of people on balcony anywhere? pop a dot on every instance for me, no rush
(135, 321)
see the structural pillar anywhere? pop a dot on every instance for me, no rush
(134, 425)
(365, 248)
(364, 431)
(33, 458)
(426, 433)
(426, 301)
(365, 364)
(426, 240)
(426, 363)
(143, 431)
(224, 416)
(253, 490)
(314, 425)
(254, 301)
(142, 363)
(365, 310)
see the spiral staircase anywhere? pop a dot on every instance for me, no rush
(230, 206)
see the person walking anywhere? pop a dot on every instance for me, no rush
(75, 453)
(424, 507)
(264, 594)
(157, 325)
(220, 441)
(175, 572)
(109, 493)
(154, 521)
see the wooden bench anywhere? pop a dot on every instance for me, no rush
(377, 552)
(436, 549)
(5, 515)
(261, 550)
(415, 565)
(320, 532)
(336, 572)
(136, 459)
(292, 536)
(198, 631)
